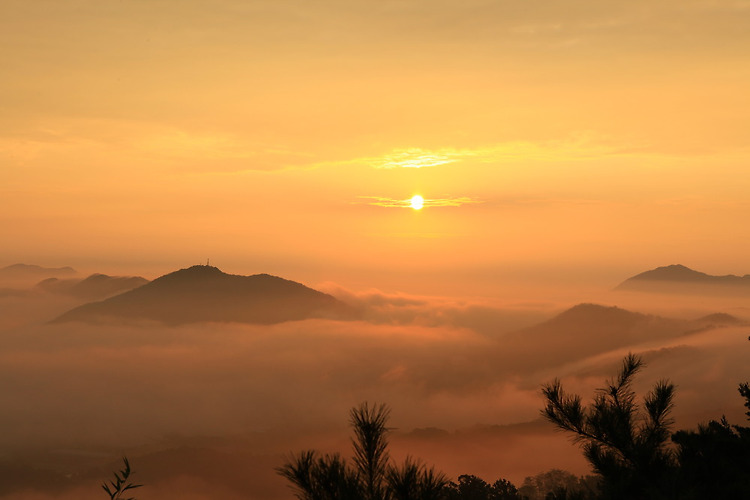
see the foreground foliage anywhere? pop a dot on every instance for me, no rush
(634, 451)
(714, 461)
(117, 488)
(558, 484)
(370, 475)
(471, 487)
(627, 447)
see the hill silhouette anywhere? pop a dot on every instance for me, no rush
(205, 293)
(722, 319)
(677, 278)
(32, 273)
(96, 286)
(589, 329)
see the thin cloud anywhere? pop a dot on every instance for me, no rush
(577, 146)
(380, 201)
(580, 145)
(416, 158)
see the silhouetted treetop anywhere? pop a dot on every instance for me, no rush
(626, 444)
(373, 477)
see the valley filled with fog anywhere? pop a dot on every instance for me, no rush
(209, 409)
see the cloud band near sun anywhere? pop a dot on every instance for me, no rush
(415, 158)
(380, 201)
(576, 146)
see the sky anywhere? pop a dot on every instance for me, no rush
(582, 140)
(559, 147)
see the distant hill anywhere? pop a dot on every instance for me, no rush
(96, 286)
(33, 273)
(205, 293)
(721, 319)
(680, 279)
(589, 329)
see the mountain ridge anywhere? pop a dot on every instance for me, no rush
(95, 286)
(677, 278)
(205, 294)
(29, 272)
(588, 329)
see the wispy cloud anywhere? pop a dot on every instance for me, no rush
(416, 158)
(380, 201)
(582, 145)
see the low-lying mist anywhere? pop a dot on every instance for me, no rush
(208, 410)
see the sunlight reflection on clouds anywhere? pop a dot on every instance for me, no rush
(416, 158)
(380, 201)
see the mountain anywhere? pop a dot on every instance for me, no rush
(33, 273)
(720, 319)
(205, 293)
(680, 279)
(96, 286)
(587, 330)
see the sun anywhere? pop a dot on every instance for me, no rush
(417, 202)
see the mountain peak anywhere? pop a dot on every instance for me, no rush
(205, 293)
(34, 271)
(682, 279)
(95, 286)
(202, 268)
(34, 268)
(588, 313)
(198, 270)
(674, 272)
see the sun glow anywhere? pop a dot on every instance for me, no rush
(417, 202)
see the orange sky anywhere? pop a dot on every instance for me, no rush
(150, 135)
